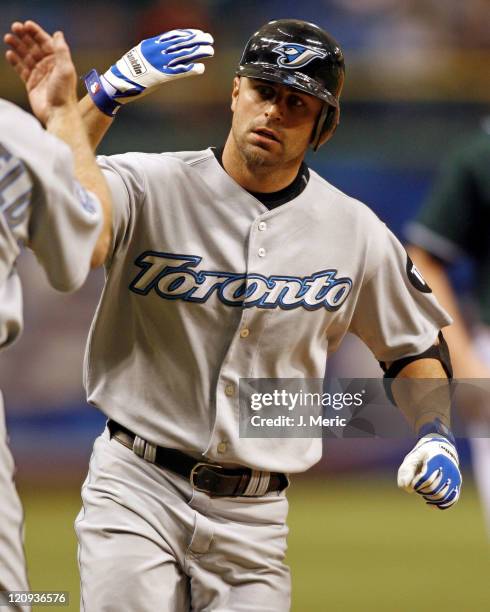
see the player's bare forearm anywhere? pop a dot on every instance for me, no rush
(465, 362)
(66, 123)
(431, 468)
(427, 398)
(96, 122)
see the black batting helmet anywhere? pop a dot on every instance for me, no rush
(303, 56)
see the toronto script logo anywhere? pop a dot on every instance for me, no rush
(172, 278)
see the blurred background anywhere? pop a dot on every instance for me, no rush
(417, 85)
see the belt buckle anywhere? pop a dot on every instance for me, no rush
(194, 473)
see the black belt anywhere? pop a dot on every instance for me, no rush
(211, 478)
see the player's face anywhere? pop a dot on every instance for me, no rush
(272, 123)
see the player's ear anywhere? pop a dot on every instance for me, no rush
(234, 92)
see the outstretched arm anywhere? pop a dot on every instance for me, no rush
(153, 62)
(44, 64)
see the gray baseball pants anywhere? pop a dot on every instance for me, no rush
(13, 575)
(149, 542)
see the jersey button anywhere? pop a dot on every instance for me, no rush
(262, 226)
(244, 332)
(222, 447)
(261, 252)
(230, 390)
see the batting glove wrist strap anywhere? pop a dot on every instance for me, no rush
(96, 89)
(437, 428)
(431, 469)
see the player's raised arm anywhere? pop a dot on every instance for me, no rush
(44, 64)
(153, 62)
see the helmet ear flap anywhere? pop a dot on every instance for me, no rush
(326, 124)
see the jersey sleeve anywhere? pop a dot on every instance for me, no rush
(127, 186)
(65, 223)
(445, 225)
(396, 314)
(64, 219)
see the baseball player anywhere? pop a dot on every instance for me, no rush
(228, 263)
(44, 206)
(453, 223)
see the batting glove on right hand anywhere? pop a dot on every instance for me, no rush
(431, 469)
(154, 61)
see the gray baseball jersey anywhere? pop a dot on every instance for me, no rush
(205, 286)
(40, 204)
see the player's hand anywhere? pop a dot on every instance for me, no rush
(44, 64)
(431, 469)
(154, 61)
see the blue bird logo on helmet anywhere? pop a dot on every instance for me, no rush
(295, 56)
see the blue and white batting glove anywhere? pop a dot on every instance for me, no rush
(431, 469)
(154, 61)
